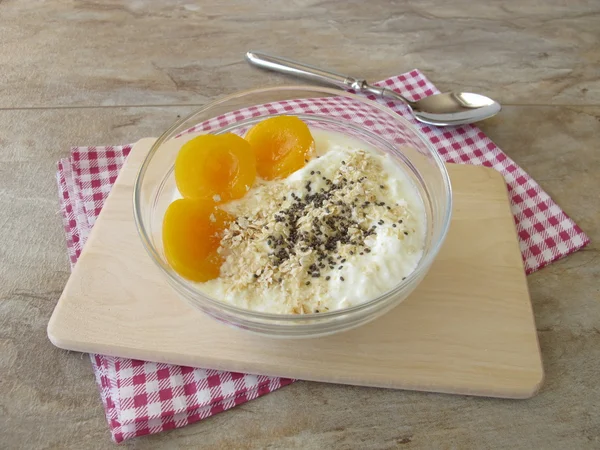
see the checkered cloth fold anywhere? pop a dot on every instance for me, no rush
(145, 397)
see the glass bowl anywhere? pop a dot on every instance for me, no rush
(323, 108)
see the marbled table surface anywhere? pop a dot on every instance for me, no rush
(105, 72)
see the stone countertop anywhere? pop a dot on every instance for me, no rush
(106, 72)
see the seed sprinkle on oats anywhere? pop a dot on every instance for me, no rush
(297, 236)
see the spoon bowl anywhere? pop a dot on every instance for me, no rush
(450, 108)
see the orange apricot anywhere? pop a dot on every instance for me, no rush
(282, 145)
(191, 234)
(217, 168)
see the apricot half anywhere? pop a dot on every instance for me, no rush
(281, 144)
(216, 168)
(192, 232)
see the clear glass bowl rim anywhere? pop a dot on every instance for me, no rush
(423, 264)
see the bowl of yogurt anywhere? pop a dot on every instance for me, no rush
(293, 211)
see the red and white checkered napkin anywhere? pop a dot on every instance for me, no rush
(144, 397)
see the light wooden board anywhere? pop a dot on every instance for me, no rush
(467, 329)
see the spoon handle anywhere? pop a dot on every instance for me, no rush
(304, 71)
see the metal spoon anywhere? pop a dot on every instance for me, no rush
(449, 108)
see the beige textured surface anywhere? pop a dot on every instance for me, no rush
(534, 55)
(467, 329)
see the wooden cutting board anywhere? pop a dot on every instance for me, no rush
(467, 329)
